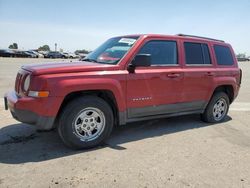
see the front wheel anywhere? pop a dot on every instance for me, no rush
(217, 108)
(85, 122)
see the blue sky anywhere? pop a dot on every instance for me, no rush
(86, 24)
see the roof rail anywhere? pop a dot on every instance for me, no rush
(184, 35)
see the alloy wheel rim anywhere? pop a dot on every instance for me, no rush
(220, 109)
(89, 124)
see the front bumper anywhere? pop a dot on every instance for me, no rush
(12, 102)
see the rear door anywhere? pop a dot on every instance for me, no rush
(152, 90)
(198, 75)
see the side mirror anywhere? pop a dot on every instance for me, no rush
(140, 60)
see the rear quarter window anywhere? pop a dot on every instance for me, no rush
(197, 53)
(223, 55)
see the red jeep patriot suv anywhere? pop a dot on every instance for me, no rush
(128, 78)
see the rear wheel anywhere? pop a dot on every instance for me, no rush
(217, 108)
(85, 122)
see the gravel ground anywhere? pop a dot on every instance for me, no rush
(173, 152)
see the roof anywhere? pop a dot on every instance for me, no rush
(175, 36)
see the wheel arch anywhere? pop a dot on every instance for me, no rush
(106, 95)
(228, 89)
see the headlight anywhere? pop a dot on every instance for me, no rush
(26, 84)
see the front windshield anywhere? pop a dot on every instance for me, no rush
(112, 50)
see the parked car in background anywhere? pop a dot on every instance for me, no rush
(43, 53)
(82, 55)
(38, 55)
(70, 55)
(54, 54)
(16, 53)
(20, 53)
(30, 54)
(66, 54)
(243, 58)
(7, 53)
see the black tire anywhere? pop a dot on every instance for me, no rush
(66, 128)
(208, 115)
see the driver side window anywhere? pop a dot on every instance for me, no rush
(162, 52)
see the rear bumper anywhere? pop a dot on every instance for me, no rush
(12, 102)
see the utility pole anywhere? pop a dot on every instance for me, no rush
(55, 46)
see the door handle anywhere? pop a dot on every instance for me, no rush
(173, 75)
(210, 74)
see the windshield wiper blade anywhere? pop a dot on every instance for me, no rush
(90, 60)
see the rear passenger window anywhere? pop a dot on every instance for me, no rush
(223, 55)
(162, 52)
(196, 53)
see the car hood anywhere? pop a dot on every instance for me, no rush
(67, 67)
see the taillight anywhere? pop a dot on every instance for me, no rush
(240, 77)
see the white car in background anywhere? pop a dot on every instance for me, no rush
(44, 53)
(70, 55)
(38, 55)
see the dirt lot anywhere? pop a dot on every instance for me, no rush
(174, 152)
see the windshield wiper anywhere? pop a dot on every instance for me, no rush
(90, 60)
(102, 62)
